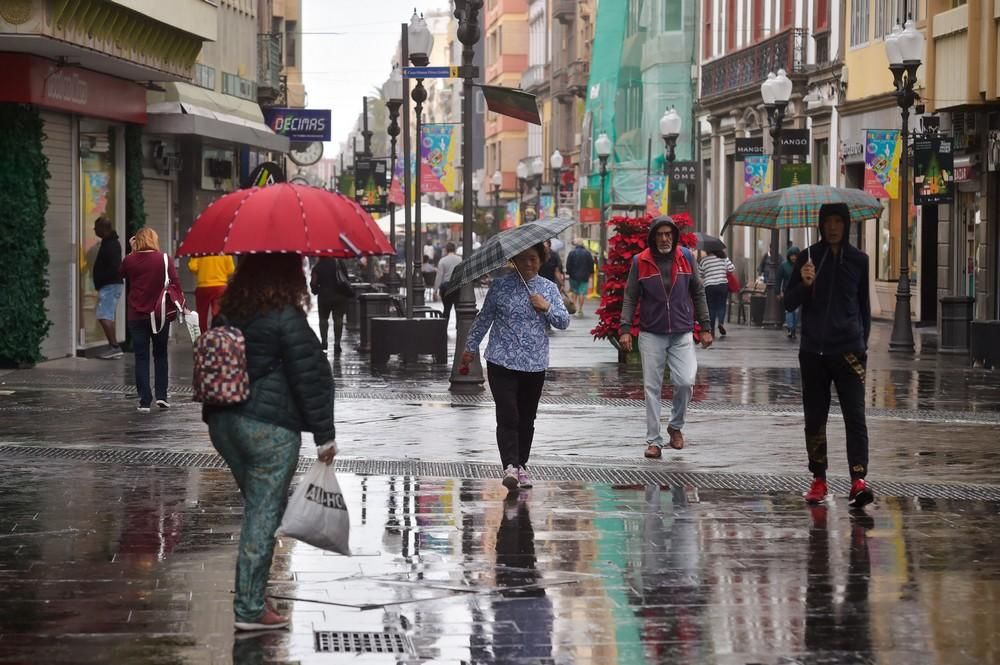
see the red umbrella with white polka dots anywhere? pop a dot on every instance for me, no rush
(285, 218)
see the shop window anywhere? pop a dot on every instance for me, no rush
(291, 43)
(859, 22)
(98, 193)
(889, 246)
(217, 168)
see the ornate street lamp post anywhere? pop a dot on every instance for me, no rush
(904, 49)
(476, 184)
(522, 183)
(776, 91)
(670, 129)
(468, 32)
(419, 42)
(394, 92)
(497, 184)
(556, 164)
(603, 147)
(537, 172)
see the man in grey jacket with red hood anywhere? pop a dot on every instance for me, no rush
(665, 283)
(830, 283)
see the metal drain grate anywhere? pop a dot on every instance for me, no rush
(611, 471)
(343, 642)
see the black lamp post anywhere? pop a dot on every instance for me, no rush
(497, 184)
(556, 163)
(394, 91)
(603, 147)
(366, 152)
(468, 32)
(537, 171)
(522, 183)
(904, 49)
(776, 91)
(419, 43)
(670, 129)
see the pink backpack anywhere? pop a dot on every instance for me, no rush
(220, 367)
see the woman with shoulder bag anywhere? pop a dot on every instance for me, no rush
(291, 391)
(153, 297)
(715, 270)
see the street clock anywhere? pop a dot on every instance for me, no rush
(306, 154)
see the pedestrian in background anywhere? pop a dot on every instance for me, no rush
(331, 285)
(446, 266)
(580, 268)
(146, 270)
(429, 273)
(519, 309)
(784, 276)
(715, 268)
(552, 269)
(665, 284)
(211, 274)
(291, 391)
(830, 284)
(108, 283)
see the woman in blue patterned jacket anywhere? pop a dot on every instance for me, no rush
(520, 308)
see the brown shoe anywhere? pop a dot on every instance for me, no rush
(653, 451)
(676, 438)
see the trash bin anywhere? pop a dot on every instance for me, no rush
(372, 305)
(354, 306)
(758, 302)
(956, 316)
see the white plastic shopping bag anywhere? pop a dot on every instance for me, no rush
(317, 513)
(192, 325)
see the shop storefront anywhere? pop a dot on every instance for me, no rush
(84, 115)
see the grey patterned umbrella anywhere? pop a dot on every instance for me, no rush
(501, 248)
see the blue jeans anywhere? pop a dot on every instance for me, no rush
(262, 458)
(142, 335)
(792, 320)
(717, 295)
(657, 352)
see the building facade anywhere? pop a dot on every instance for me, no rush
(86, 66)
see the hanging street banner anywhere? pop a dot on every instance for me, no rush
(299, 124)
(749, 147)
(512, 216)
(933, 171)
(882, 152)
(756, 175)
(657, 202)
(795, 142)
(795, 174)
(396, 186)
(590, 205)
(263, 175)
(370, 180)
(547, 207)
(683, 172)
(512, 103)
(438, 148)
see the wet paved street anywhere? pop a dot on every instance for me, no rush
(105, 562)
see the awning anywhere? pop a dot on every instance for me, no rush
(187, 109)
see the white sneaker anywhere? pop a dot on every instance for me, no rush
(510, 479)
(523, 478)
(112, 353)
(163, 404)
(142, 409)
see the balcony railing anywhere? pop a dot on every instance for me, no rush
(560, 83)
(535, 77)
(747, 68)
(578, 78)
(564, 11)
(269, 66)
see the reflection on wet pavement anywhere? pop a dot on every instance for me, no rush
(112, 564)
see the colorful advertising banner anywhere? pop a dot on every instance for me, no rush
(882, 163)
(369, 184)
(933, 171)
(547, 209)
(299, 124)
(590, 206)
(656, 196)
(796, 174)
(510, 220)
(396, 186)
(756, 175)
(438, 149)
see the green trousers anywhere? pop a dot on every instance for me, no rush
(263, 458)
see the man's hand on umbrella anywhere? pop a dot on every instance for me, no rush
(539, 303)
(626, 341)
(809, 273)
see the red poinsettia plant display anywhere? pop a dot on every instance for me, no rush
(630, 238)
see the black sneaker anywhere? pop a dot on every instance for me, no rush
(861, 494)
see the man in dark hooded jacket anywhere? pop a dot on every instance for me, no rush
(830, 284)
(784, 276)
(666, 284)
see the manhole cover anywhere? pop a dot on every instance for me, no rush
(343, 642)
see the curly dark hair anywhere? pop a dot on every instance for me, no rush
(542, 251)
(264, 283)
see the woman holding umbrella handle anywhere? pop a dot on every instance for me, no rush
(517, 354)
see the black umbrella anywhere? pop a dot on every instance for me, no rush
(707, 243)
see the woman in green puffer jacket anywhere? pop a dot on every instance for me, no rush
(291, 392)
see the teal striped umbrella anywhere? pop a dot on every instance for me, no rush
(799, 206)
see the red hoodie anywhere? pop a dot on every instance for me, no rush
(143, 273)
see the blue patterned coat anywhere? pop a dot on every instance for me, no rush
(518, 334)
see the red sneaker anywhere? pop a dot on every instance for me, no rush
(269, 620)
(861, 494)
(817, 491)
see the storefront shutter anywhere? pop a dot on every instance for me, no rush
(157, 201)
(59, 222)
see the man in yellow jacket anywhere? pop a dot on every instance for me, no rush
(212, 274)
